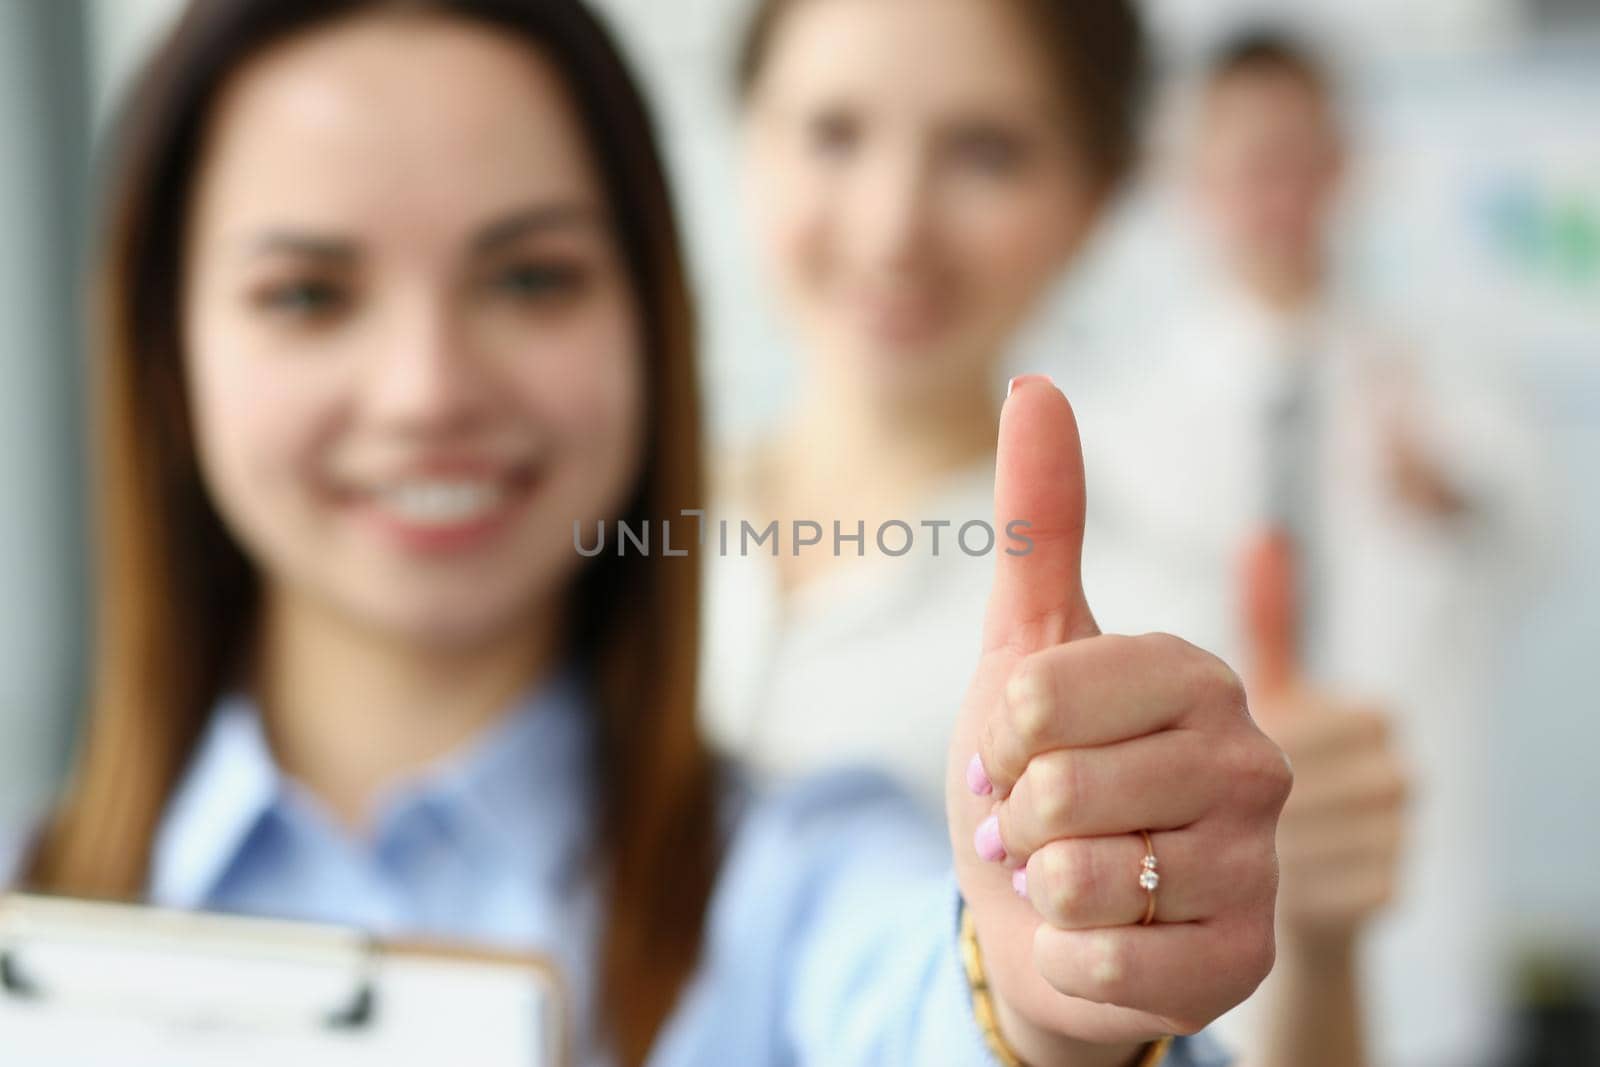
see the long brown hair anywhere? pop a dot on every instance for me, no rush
(1097, 48)
(178, 597)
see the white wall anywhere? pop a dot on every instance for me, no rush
(686, 52)
(120, 32)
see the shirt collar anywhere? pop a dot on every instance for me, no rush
(515, 795)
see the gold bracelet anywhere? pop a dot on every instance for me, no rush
(989, 1021)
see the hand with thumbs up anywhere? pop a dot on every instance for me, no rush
(1340, 835)
(1069, 745)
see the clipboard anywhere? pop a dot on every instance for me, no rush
(88, 983)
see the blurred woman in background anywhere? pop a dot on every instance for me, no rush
(394, 304)
(920, 173)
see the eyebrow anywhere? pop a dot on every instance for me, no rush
(540, 219)
(1034, 109)
(332, 250)
(340, 251)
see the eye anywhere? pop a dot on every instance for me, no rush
(303, 298)
(532, 282)
(833, 134)
(990, 151)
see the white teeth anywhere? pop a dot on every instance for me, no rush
(441, 503)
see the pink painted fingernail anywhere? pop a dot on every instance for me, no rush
(1019, 882)
(1024, 379)
(978, 778)
(987, 840)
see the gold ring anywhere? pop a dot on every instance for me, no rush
(1149, 879)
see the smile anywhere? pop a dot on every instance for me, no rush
(439, 511)
(440, 503)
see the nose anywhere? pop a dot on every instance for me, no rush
(427, 380)
(891, 217)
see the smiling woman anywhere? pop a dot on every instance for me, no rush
(394, 362)
(919, 174)
(357, 375)
(392, 298)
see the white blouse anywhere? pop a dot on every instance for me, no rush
(866, 664)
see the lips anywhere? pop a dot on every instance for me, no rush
(442, 506)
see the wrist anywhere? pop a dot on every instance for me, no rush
(1038, 1047)
(1016, 1042)
(1327, 951)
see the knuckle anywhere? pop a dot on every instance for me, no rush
(1260, 771)
(1059, 881)
(1286, 775)
(1166, 645)
(1229, 687)
(1029, 702)
(1258, 951)
(1215, 682)
(1278, 774)
(1124, 647)
(1052, 786)
(992, 754)
(1109, 964)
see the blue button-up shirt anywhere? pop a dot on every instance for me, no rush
(831, 936)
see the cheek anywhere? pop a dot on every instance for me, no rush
(589, 393)
(608, 416)
(257, 421)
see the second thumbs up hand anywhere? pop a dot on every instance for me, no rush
(1342, 829)
(1070, 748)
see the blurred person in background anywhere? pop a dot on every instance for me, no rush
(918, 173)
(1300, 491)
(392, 303)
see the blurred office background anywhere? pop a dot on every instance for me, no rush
(1475, 227)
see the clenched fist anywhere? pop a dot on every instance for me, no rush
(1070, 746)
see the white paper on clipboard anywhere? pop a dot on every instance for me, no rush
(91, 984)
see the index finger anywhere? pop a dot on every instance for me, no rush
(1098, 691)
